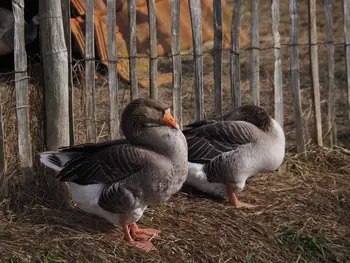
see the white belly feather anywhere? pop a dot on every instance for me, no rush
(87, 196)
(197, 178)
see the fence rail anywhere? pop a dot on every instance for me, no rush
(55, 103)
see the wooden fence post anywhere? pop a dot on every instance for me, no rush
(254, 57)
(314, 70)
(175, 54)
(134, 91)
(90, 72)
(55, 63)
(112, 69)
(153, 74)
(278, 84)
(68, 36)
(295, 76)
(235, 71)
(332, 129)
(3, 176)
(196, 22)
(22, 94)
(347, 47)
(217, 56)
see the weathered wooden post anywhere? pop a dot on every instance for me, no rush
(55, 62)
(175, 53)
(218, 57)
(278, 86)
(153, 73)
(196, 16)
(134, 90)
(235, 70)
(22, 94)
(3, 178)
(254, 55)
(313, 53)
(332, 129)
(295, 76)
(67, 33)
(347, 47)
(90, 72)
(112, 69)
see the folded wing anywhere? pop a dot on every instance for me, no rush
(210, 139)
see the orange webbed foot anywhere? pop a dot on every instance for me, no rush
(234, 200)
(239, 204)
(143, 233)
(142, 245)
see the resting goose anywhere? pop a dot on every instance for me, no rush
(7, 23)
(223, 154)
(118, 179)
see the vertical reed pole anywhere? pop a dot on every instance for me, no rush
(278, 86)
(196, 21)
(235, 71)
(313, 53)
(68, 36)
(134, 91)
(254, 56)
(90, 72)
(112, 69)
(22, 93)
(332, 129)
(175, 53)
(295, 76)
(153, 74)
(217, 56)
(347, 47)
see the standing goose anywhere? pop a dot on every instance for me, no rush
(118, 179)
(223, 154)
(7, 23)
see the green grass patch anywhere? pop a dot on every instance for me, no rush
(309, 248)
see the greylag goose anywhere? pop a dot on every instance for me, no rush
(117, 179)
(224, 153)
(7, 23)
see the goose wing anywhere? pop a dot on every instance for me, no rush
(92, 147)
(207, 141)
(109, 163)
(198, 124)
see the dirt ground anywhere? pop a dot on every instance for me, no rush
(304, 217)
(304, 212)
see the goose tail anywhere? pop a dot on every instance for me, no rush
(57, 160)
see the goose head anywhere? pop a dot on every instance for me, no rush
(252, 114)
(263, 121)
(145, 112)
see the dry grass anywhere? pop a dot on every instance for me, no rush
(304, 217)
(304, 213)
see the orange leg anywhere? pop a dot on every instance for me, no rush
(144, 245)
(234, 200)
(143, 234)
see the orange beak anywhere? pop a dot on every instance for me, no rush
(169, 120)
